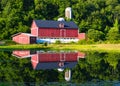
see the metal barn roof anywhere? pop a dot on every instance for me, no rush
(23, 33)
(55, 24)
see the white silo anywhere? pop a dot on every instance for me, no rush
(68, 12)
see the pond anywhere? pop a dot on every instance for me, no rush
(68, 68)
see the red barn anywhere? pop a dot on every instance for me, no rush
(54, 29)
(50, 31)
(24, 38)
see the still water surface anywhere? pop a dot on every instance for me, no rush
(30, 68)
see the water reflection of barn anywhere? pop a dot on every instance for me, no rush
(23, 53)
(50, 60)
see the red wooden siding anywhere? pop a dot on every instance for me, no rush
(55, 57)
(33, 25)
(21, 38)
(34, 29)
(47, 57)
(81, 36)
(48, 32)
(56, 32)
(34, 58)
(24, 38)
(72, 32)
(34, 64)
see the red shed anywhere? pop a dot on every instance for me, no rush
(24, 38)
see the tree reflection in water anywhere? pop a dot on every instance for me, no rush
(94, 68)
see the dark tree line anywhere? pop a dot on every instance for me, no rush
(98, 18)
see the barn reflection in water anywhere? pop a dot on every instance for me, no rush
(62, 61)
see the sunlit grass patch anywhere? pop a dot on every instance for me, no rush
(90, 47)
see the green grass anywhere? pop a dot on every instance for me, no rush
(91, 47)
(18, 46)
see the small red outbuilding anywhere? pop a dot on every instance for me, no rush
(24, 38)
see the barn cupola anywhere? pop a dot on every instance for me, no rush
(61, 25)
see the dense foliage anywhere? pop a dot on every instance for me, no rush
(98, 18)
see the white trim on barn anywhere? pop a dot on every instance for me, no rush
(53, 40)
(27, 56)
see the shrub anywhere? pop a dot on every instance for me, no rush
(72, 42)
(45, 43)
(99, 42)
(86, 41)
(2, 42)
(112, 41)
(90, 42)
(10, 42)
(95, 35)
(58, 42)
(82, 41)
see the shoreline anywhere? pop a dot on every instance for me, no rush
(87, 47)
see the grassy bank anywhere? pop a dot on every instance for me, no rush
(20, 47)
(91, 47)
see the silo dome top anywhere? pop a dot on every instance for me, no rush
(60, 69)
(68, 8)
(61, 19)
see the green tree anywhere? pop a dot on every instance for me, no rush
(114, 33)
(17, 15)
(95, 35)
